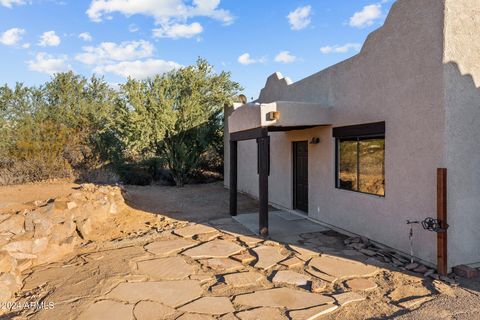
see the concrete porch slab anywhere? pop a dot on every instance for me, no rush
(281, 224)
(288, 215)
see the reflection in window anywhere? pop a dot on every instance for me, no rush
(361, 165)
(348, 175)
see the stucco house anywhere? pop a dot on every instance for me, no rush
(362, 146)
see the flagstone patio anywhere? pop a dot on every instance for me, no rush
(211, 266)
(206, 272)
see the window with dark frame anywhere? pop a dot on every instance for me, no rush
(360, 158)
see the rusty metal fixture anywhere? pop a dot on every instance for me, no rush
(273, 115)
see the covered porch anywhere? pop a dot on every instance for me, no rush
(255, 121)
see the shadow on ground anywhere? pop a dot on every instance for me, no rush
(402, 294)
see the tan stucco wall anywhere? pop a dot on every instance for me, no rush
(396, 78)
(420, 74)
(462, 134)
(254, 115)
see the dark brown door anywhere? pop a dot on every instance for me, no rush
(300, 176)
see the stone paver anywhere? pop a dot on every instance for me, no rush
(148, 310)
(203, 277)
(170, 293)
(282, 298)
(195, 316)
(342, 268)
(244, 257)
(168, 247)
(214, 249)
(293, 263)
(229, 316)
(291, 277)
(243, 279)
(312, 313)
(222, 264)
(233, 277)
(210, 306)
(318, 286)
(195, 230)
(261, 313)
(108, 309)
(347, 297)
(250, 241)
(320, 275)
(267, 257)
(173, 268)
(304, 254)
(361, 284)
(413, 303)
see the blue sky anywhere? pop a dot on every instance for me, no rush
(121, 38)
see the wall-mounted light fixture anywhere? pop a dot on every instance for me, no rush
(273, 115)
(315, 140)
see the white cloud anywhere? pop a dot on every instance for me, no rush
(300, 18)
(49, 64)
(11, 3)
(367, 16)
(49, 39)
(138, 69)
(133, 28)
(285, 57)
(176, 30)
(12, 36)
(85, 36)
(341, 48)
(110, 52)
(26, 45)
(162, 11)
(246, 59)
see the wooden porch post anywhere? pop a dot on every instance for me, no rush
(263, 168)
(233, 177)
(442, 257)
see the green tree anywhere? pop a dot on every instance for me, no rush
(175, 116)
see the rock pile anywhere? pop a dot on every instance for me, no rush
(50, 229)
(392, 258)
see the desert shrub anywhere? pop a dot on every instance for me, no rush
(177, 117)
(134, 174)
(167, 128)
(56, 130)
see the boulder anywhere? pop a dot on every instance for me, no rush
(5, 292)
(39, 245)
(9, 284)
(62, 231)
(42, 224)
(84, 227)
(88, 187)
(56, 251)
(47, 231)
(23, 246)
(61, 204)
(7, 262)
(15, 224)
(71, 205)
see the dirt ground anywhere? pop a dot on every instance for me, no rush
(15, 197)
(198, 203)
(87, 276)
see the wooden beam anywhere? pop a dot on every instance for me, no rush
(249, 134)
(377, 128)
(442, 254)
(291, 128)
(263, 166)
(233, 177)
